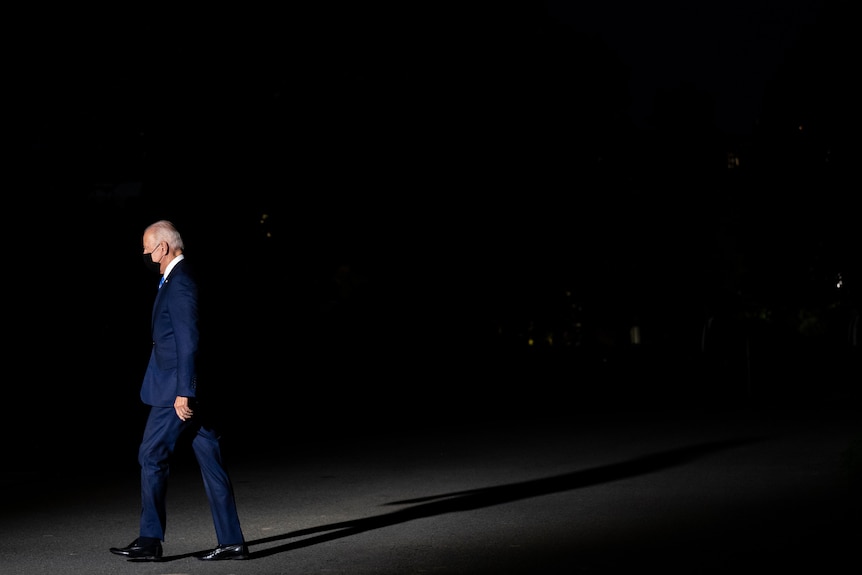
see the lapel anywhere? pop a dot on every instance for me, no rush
(159, 293)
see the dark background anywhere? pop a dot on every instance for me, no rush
(406, 211)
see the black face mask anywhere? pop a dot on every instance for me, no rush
(150, 264)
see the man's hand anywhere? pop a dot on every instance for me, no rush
(181, 405)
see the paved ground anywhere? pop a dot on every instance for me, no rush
(683, 491)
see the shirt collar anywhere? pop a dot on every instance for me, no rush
(171, 265)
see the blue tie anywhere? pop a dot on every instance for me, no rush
(161, 281)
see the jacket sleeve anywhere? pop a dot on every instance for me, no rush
(183, 309)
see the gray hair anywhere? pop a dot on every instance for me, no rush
(166, 231)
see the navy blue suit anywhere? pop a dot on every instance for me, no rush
(171, 372)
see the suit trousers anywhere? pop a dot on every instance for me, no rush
(162, 430)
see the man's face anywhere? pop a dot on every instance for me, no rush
(154, 253)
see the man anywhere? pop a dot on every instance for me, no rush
(170, 389)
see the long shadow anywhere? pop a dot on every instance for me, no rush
(488, 496)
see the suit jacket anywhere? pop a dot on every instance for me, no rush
(172, 369)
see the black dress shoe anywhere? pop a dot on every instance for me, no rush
(135, 550)
(239, 551)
